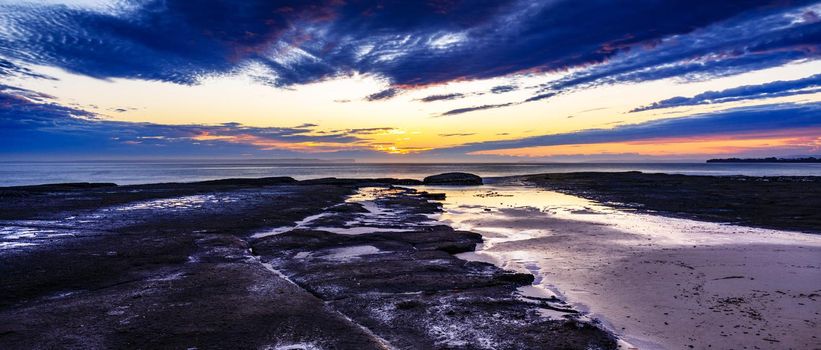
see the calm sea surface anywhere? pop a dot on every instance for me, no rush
(133, 172)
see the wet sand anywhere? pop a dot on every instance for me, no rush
(659, 282)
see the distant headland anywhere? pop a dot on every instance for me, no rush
(766, 160)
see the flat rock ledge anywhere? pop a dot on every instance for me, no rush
(453, 179)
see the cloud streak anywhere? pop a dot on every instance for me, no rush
(753, 41)
(410, 44)
(764, 118)
(30, 122)
(766, 142)
(443, 97)
(383, 95)
(780, 88)
(473, 109)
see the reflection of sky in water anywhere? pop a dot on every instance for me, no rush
(379, 216)
(26, 233)
(564, 240)
(507, 213)
(16, 234)
(186, 202)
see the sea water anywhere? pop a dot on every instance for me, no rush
(140, 172)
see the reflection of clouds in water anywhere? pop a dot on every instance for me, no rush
(503, 214)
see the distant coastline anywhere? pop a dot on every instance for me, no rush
(766, 160)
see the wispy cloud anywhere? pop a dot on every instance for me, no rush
(800, 140)
(458, 134)
(500, 89)
(33, 123)
(753, 41)
(473, 109)
(383, 95)
(442, 97)
(410, 44)
(764, 118)
(780, 88)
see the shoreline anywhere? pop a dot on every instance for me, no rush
(135, 173)
(652, 280)
(177, 265)
(773, 202)
(362, 256)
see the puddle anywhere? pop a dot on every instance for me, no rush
(300, 346)
(382, 214)
(186, 202)
(349, 253)
(15, 236)
(304, 223)
(11, 245)
(360, 230)
(384, 211)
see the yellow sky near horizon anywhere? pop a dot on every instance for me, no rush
(336, 104)
(677, 146)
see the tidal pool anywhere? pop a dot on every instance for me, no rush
(656, 281)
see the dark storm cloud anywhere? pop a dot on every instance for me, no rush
(735, 46)
(409, 43)
(766, 118)
(808, 85)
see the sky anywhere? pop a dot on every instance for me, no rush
(410, 81)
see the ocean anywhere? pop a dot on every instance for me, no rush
(140, 172)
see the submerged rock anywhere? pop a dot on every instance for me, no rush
(453, 179)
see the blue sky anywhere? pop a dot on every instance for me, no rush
(409, 80)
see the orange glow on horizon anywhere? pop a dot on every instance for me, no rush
(271, 144)
(309, 146)
(809, 138)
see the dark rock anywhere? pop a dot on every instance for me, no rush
(519, 278)
(60, 187)
(408, 304)
(433, 196)
(184, 276)
(454, 247)
(348, 208)
(778, 202)
(264, 181)
(360, 182)
(453, 179)
(407, 182)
